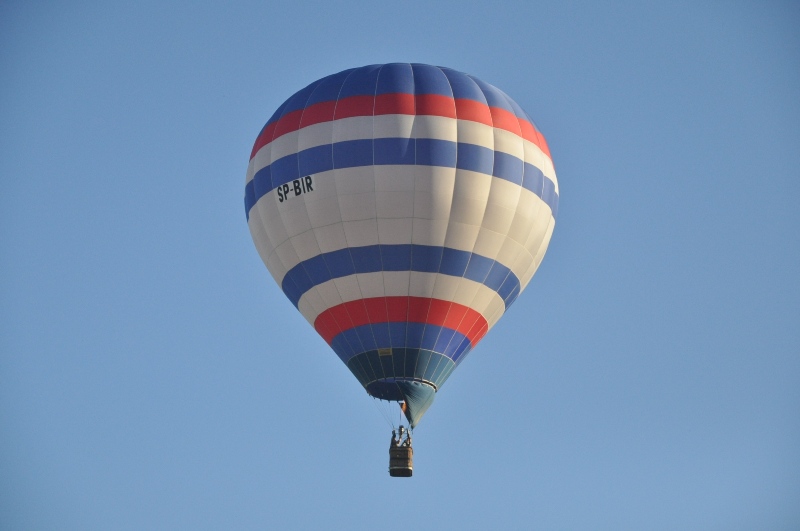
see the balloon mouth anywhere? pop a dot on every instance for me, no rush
(417, 395)
(392, 389)
(411, 376)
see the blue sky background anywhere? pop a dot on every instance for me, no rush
(152, 376)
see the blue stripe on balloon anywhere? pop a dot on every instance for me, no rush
(329, 87)
(349, 154)
(395, 78)
(403, 257)
(299, 99)
(494, 96)
(508, 167)
(369, 80)
(475, 158)
(400, 151)
(463, 86)
(435, 338)
(249, 197)
(430, 80)
(315, 159)
(395, 151)
(360, 82)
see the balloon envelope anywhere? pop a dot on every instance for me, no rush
(402, 208)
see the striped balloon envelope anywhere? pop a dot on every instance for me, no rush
(402, 208)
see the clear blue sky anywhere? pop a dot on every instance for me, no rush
(152, 376)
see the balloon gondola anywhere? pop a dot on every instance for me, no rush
(402, 208)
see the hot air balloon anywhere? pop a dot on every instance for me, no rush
(402, 208)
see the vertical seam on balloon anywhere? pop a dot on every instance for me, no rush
(377, 232)
(338, 202)
(350, 253)
(498, 312)
(516, 209)
(377, 222)
(303, 199)
(543, 243)
(411, 246)
(413, 134)
(540, 206)
(274, 129)
(319, 247)
(486, 205)
(541, 209)
(439, 267)
(260, 221)
(263, 223)
(486, 208)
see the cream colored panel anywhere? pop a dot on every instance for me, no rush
(446, 287)
(315, 135)
(395, 204)
(285, 145)
(422, 284)
(272, 220)
(323, 211)
(331, 237)
(294, 215)
(508, 254)
(356, 207)
(393, 126)
(348, 288)
(436, 127)
(324, 184)
(489, 304)
(276, 268)
(395, 231)
(371, 284)
(287, 255)
(395, 178)
(396, 283)
(354, 180)
(355, 128)
(259, 235)
(523, 218)
(504, 193)
(305, 245)
(361, 233)
(488, 243)
(475, 133)
(467, 211)
(509, 142)
(311, 305)
(329, 293)
(461, 236)
(429, 231)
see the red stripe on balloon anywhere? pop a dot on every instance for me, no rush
(420, 105)
(473, 111)
(458, 317)
(435, 105)
(354, 106)
(318, 113)
(288, 123)
(503, 119)
(396, 103)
